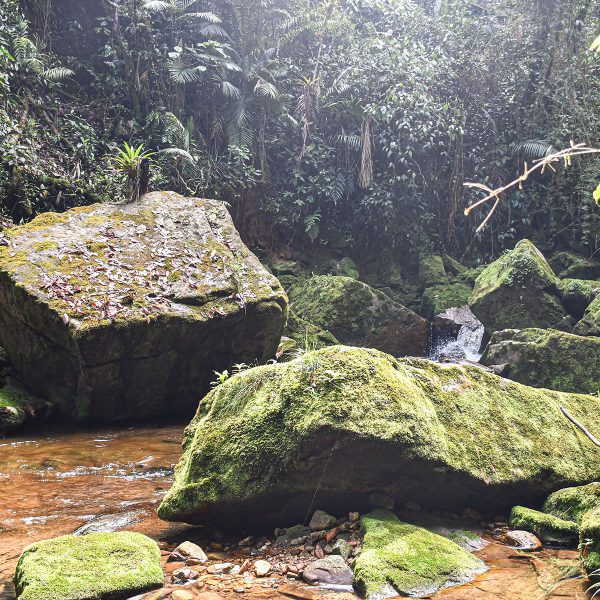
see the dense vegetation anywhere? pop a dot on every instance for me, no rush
(352, 124)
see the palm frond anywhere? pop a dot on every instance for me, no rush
(266, 89)
(532, 150)
(210, 17)
(229, 90)
(56, 74)
(156, 5)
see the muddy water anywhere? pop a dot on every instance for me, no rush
(54, 483)
(51, 484)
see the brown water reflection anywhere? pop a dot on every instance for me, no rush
(53, 483)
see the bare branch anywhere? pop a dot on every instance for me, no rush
(580, 426)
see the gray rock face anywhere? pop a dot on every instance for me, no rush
(119, 312)
(321, 520)
(331, 569)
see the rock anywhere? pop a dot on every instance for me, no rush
(90, 567)
(330, 570)
(437, 299)
(589, 541)
(359, 315)
(188, 550)
(432, 271)
(548, 528)
(342, 548)
(547, 358)
(573, 502)
(590, 323)
(571, 265)
(183, 595)
(262, 568)
(398, 558)
(466, 539)
(124, 311)
(469, 276)
(522, 540)
(306, 335)
(345, 267)
(578, 294)
(518, 291)
(379, 500)
(354, 517)
(17, 405)
(184, 575)
(453, 266)
(107, 523)
(321, 520)
(444, 436)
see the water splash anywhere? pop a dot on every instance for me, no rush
(457, 335)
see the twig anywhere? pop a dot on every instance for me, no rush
(580, 426)
(538, 165)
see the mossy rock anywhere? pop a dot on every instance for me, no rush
(431, 271)
(547, 358)
(452, 266)
(437, 299)
(359, 315)
(589, 541)
(444, 436)
(469, 276)
(518, 291)
(547, 527)
(399, 558)
(571, 265)
(573, 502)
(306, 335)
(16, 405)
(578, 294)
(345, 267)
(119, 312)
(590, 323)
(97, 566)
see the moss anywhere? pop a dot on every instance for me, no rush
(16, 404)
(469, 276)
(547, 358)
(589, 541)
(573, 502)
(436, 300)
(455, 435)
(90, 567)
(45, 245)
(577, 294)
(44, 221)
(590, 323)
(550, 529)
(453, 266)
(306, 335)
(412, 560)
(571, 265)
(517, 291)
(95, 220)
(345, 267)
(432, 271)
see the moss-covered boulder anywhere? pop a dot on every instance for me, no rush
(16, 405)
(97, 566)
(573, 502)
(307, 335)
(117, 312)
(432, 271)
(345, 267)
(359, 315)
(590, 323)
(437, 299)
(547, 527)
(518, 291)
(589, 541)
(399, 558)
(444, 436)
(547, 358)
(578, 294)
(571, 265)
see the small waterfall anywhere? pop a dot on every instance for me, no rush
(457, 335)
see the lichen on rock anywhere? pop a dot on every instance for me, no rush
(116, 312)
(445, 436)
(400, 558)
(97, 566)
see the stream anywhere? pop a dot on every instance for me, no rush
(55, 483)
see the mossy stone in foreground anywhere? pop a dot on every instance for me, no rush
(517, 291)
(97, 566)
(547, 358)
(445, 436)
(405, 559)
(124, 311)
(360, 315)
(548, 528)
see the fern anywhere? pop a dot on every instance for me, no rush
(532, 150)
(311, 225)
(56, 74)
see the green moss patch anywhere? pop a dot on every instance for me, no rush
(548, 528)
(16, 405)
(573, 502)
(436, 300)
(306, 335)
(407, 559)
(97, 566)
(590, 323)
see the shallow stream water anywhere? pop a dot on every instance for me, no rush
(55, 483)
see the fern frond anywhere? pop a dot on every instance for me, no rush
(56, 74)
(156, 5)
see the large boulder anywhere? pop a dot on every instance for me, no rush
(116, 312)
(590, 323)
(517, 291)
(571, 265)
(359, 315)
(350, 422)
(98, 566)
(400, 558)
(547, 358)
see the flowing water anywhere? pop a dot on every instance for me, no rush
(465, 344)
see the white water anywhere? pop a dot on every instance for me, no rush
(466, 345)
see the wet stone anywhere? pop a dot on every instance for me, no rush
(330, 570)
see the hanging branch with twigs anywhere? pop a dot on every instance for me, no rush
(538, 165)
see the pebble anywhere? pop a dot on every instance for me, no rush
(220, 568)
(188, 550)
(262, 568)
(522, 540)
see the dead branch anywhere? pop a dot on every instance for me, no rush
(580, 426)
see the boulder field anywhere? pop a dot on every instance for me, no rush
(349, 422)
(124, 311)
